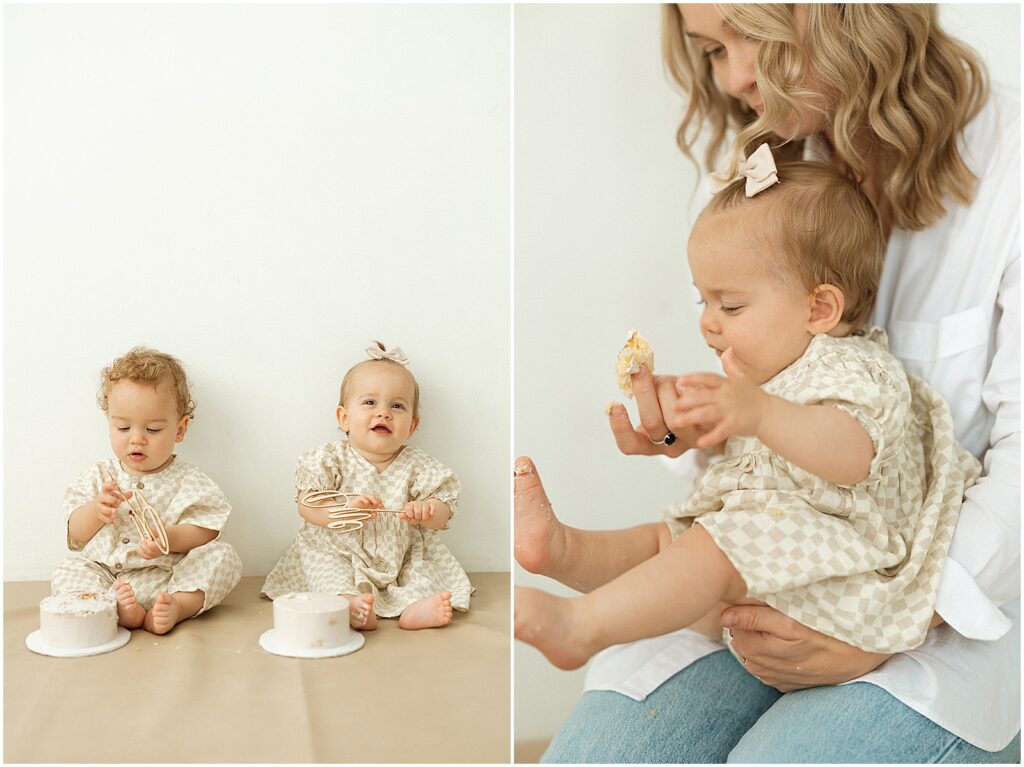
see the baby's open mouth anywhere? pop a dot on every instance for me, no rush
(381, 429)
(137, 456)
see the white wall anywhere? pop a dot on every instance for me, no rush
(602, 215)
(258, 190)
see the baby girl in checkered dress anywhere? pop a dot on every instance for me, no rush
(837, 480)
(145, 396)
(395, 565)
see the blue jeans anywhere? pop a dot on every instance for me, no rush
(713, 711)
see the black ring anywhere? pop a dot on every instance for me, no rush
(668, 439)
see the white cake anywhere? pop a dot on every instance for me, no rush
(307, 620)
(78, 620)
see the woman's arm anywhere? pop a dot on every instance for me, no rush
(986, 542)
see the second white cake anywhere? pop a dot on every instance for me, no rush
(308, 620)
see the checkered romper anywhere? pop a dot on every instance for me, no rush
(181, 495)
(860, 563)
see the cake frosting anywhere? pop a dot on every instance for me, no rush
(308, 620)
(78, 620)
(635, 353)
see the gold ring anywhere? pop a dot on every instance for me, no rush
(743, 660)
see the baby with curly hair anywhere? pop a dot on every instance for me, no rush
(145, 396)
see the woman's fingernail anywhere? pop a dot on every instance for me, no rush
(728, 620)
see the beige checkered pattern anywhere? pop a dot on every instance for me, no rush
(400, 563)
(180, 494)
(213, 568)
(859, 563)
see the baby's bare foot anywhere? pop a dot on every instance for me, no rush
(428, 613)
(548, 623)
(130, 613)
(539, 536)
(360, 612)
(165, 614)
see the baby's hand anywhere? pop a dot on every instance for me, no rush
(149, 550)
(108, 502)
(367, 502)
(718, 406)
(417, 512)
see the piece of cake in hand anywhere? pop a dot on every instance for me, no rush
(77, 621)
(635, 353)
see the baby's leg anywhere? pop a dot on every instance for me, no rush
(429, 613)
(580, 559)
(667, 592)
(80, 574)
(213, 569)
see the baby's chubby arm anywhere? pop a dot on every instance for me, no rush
(89, 519)
(433, 513)
(181, 540)
(806, 435)
(319, 516)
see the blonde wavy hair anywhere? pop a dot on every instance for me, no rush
(896, 89)
(148, 366)
(820, 225)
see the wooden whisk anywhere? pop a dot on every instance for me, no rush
(147, 521)
(345, 517)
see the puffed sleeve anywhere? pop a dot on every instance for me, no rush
(871, 388)
(318, 469)
(435, 480)
(200, 502)
(80, 492)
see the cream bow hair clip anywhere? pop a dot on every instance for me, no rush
(377, 351)
(759, 170)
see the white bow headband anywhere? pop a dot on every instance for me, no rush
(759, 170)
(377, 351)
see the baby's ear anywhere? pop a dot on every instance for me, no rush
(826, 309)
(342, 417)
(182, 428)
(415, 425)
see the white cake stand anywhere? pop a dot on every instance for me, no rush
(270, 642)
(35, 643)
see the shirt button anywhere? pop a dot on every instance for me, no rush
(126, 540)
(118, 566)
(140, 486)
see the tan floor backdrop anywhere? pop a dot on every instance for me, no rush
(207, 693)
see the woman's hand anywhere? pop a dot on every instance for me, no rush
(655, 396)
(789, 656)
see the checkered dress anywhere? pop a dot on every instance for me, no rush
(860, 563)
(399, 562)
